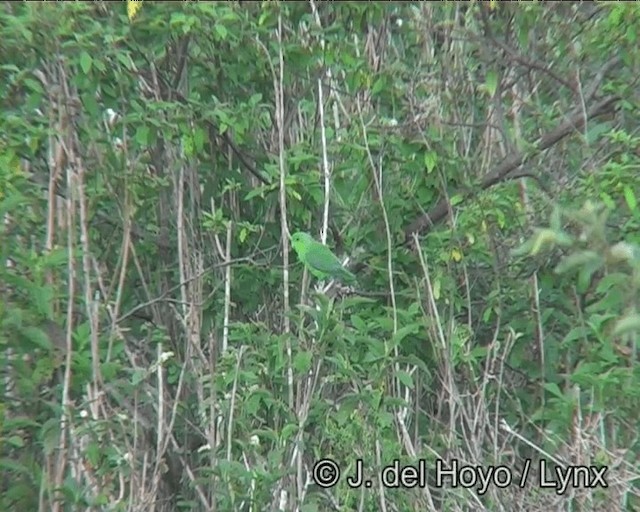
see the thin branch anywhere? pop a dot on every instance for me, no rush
(325, 167)
(512, 162)
(227, 290)
(278, 85)
(532, 64)
(225, 136)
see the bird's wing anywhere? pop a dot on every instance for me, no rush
(321, 258)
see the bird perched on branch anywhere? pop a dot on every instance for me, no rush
(319, 259)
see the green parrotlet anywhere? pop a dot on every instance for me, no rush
(319, 259)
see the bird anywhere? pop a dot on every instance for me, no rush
(319, 259)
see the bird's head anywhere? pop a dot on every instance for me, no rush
(299, 239)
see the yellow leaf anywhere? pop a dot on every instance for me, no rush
(456, 255)
(133, 6)
(544, 237)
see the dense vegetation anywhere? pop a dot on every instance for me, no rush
(478, 165)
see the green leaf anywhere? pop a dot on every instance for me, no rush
(563, 239)
(302, 361)
(346, 406)
(288, 431)
(42, 297)
(577, 259)
(491, 82)
(198, 139)
(38, 337)
(12, 68)
(85, 62)
(403, 332)
(630, 198)
(595, 132)
(93, 452)
(15, 441)
(553, 388)
(12, 202)
(34, 85)
(375, 353)
(629, 323)
(187, 144)
(379, 85)
(577, 333)
(614, 279)
(456, 199)
(56, 258)
(221, 30)
(255, 99)
(259, 191)
(359, 323)
(543, 238)
(430, 161)
(91, 105)
(607, 200)
(142, 135)
(585, 275)
(405, 378)
(523, 249)
(479, 353)
(138, 376)
(19, 423)
(125, 59)
(11, 466)
(99, 65)
(631, 34)
(252, 404)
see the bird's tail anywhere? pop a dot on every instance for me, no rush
(347, 277)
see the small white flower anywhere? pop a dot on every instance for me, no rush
(165, 356)
(112, 117)
(204, 448)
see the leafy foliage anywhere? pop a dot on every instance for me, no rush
(476, 163)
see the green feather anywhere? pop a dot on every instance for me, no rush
(319, 259)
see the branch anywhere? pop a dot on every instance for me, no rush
(576, 122)
(214, 129)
